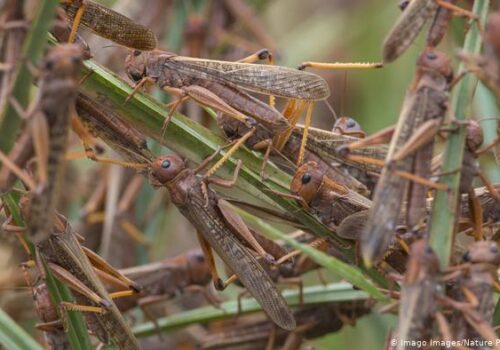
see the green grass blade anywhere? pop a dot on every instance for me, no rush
(34, 45)
(444, 211)
(14, 337)
(312, 295)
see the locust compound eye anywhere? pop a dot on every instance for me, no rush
(403, 4)
(351, 123)
(200, 258)
(137, 53)
(49, 64)
(466, 256)
(135, 75)
(76, 59)
(166, 164)
(494, 248)
(431, 56)
(306, 178)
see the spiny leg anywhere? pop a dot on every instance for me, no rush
(239, 226)
(74, 284)
(340, 65)
(241, 141)
(103, 265)
(90, 144)
(307, 124)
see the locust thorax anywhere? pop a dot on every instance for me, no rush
(165, 168)
(307, 181)
(422, 263)
(434, 62)
(348, 126)
(492, 34)
(483, 252)
(475, 136)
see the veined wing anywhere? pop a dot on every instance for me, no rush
(407, 28)
(325, 144)
(259, 78)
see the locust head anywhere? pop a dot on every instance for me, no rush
(403, 4)
(135, 65)
(63, 61)
(483, 252)
(348, 126)
(165, 168)
(199, 272)
(435, 62)
(475, 136)
(307, 181)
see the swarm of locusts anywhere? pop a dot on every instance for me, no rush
(405, 220)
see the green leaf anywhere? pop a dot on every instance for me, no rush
(312, 295)
(444, 211)
(14, 337)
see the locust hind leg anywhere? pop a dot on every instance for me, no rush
(74, 284)
(78, 17)
(268, 146)
(207, 251)
(240, 228)
(90, 144)
(103, 265)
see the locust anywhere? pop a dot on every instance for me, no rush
(313, 321)
(262, 139)
(50, 125)
(409, 156)
(476, 286)
(470, 169)
(222, 230)
(165, 279)
(415, 15)
(290, 264)
(104, 123)
(108, 24)
(71, 263)
(340, 209)
(219, 84)
(51, 326)
(330, 147)
(418, 301)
